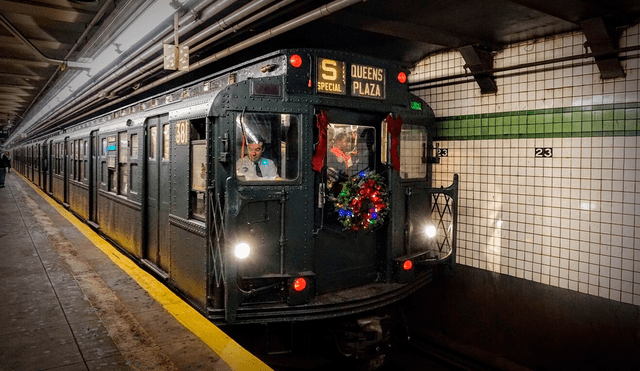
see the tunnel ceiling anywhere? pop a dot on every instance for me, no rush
(402, 30)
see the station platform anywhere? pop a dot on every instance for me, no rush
(71, 301)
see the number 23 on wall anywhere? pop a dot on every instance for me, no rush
(544, 152)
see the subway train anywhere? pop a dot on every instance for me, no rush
(292, 187)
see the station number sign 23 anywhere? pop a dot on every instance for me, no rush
(544, 152)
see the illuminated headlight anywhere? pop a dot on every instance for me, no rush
(242, 250)
(430, 231)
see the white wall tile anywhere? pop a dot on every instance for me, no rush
(571, 221)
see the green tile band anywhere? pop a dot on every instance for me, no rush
(585, 121)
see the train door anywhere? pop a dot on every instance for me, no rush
(94, 152)
(348, 256)
(157, 192)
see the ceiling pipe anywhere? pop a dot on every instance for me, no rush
(424, 83)
(89, 97)
(197, 14)
(151, 66)
(311, 16)
(242, 24)
(200, 13)
(205, 34)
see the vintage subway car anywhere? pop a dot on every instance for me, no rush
(295, 186)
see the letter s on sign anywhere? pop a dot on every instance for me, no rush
(329, 70)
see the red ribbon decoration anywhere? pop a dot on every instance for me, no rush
(394, 126)
(321, 149)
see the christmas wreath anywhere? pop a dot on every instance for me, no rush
(363, 202)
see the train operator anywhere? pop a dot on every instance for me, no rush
(252, 166)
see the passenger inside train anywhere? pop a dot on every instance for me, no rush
(351, 150)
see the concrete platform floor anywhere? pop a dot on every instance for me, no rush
(66, 306)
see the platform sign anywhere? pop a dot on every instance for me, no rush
(4, 134)
(367, 81)
(331, 77)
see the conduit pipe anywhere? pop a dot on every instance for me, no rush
(152, 46)
(157, 63)
(242, 24)
(155, 45)
(209, 32)
(424, 84)
(149, 67)
(311, 16)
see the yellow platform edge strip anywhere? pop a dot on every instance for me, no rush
(235, 356)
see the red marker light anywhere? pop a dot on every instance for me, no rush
(295, 60)
(299, 284)
(402, 77)
(408, 264)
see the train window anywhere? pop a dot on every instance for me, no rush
(267, 146)
(61, 158)
(72, 160)
(165, 142)
(103, 172)
(153, 136)
(112, 150)
(351, 149)
(84, 156)
(123, 174)
(134, 146)
(78, 161)
(413, 141)
(198, 179)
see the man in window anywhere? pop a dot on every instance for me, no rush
(252, 166)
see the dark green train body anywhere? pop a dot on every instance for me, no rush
(172, 181)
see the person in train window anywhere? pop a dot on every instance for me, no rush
(342, 152)
(5, 165)
(340, 161)
(252, 166)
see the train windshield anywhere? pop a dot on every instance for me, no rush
(267, 146)
(351, 149)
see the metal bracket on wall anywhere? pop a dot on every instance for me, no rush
(477, 61)
(601, 41)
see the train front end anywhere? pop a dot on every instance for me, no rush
(320, 201)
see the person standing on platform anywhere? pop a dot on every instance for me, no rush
(5, 166)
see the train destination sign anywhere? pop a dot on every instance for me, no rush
(331, 76)
(366, 81)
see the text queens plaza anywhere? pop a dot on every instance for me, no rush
(365, 81)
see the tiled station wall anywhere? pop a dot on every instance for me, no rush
(549, 166)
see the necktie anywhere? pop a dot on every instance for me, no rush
(258, 171)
